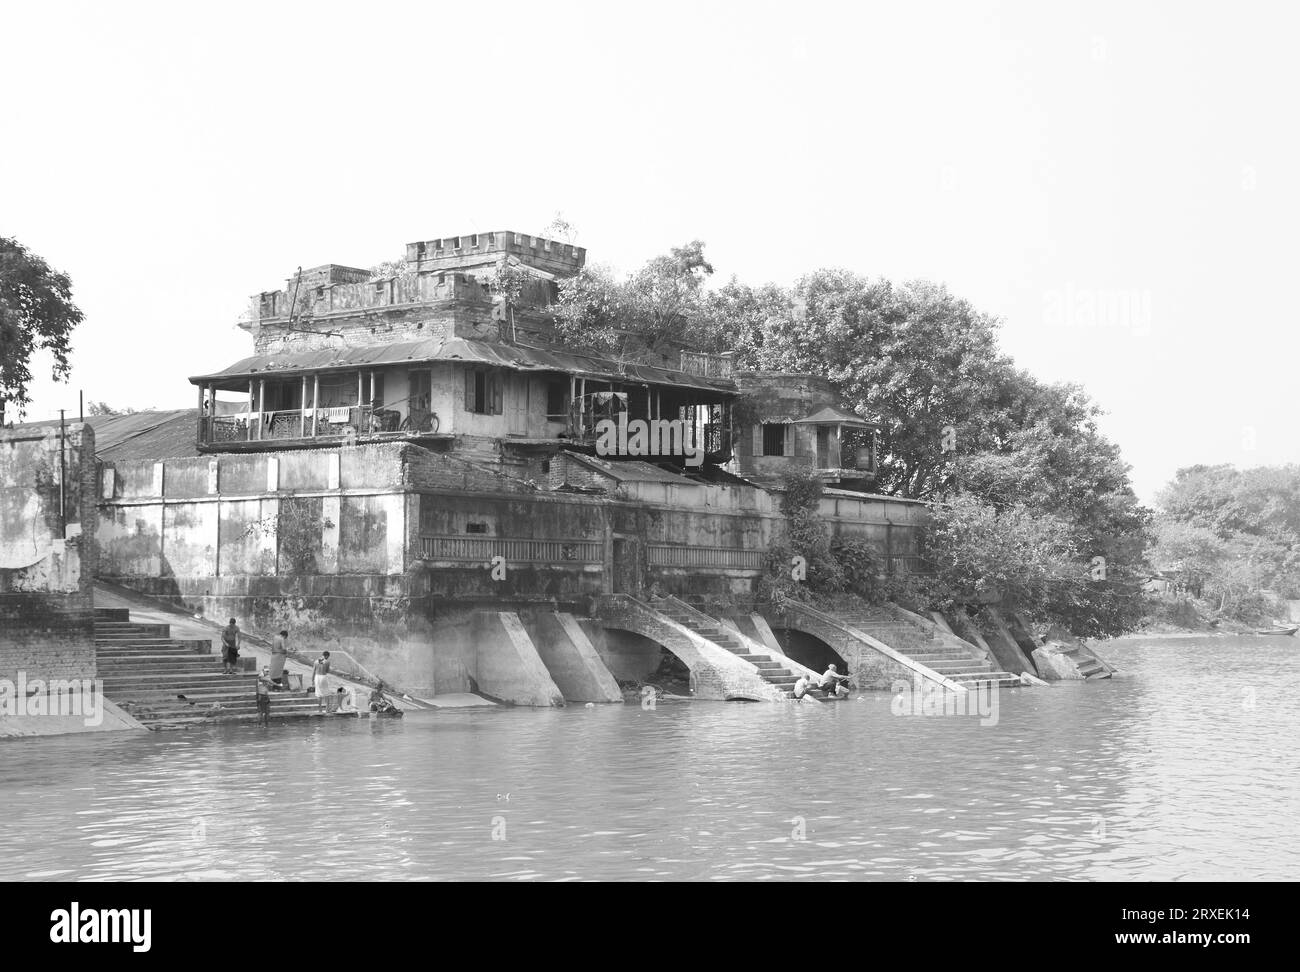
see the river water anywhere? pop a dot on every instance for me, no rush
(1182, 767)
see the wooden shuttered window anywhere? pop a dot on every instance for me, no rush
(484, 391)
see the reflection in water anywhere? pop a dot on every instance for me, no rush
(1182, 768)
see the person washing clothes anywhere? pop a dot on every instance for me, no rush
(279, 655)
(319, 673)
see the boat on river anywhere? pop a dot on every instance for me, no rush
(1279, 629)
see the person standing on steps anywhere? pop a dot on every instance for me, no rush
(230, 648)
(279, 655)
(319, 671)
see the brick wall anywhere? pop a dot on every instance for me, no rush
(47, 551)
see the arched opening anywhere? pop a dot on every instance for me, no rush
(809, 650)
(636, 661)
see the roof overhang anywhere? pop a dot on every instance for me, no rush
(836, 416)
(309, 361)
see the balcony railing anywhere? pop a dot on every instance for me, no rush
(722, 558)
(338, 422)
(514, 550)
(706, 365)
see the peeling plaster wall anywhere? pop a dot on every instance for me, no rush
(205, 534)
(47, 556)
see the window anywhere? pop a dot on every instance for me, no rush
(556, 395)
(483, 391)
(337, 390)
(283, 395)
(774, 439)
(476, 528)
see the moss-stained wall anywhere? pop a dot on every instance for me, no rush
(48, 524)
(378, 549)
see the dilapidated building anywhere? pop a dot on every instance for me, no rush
(405, 451)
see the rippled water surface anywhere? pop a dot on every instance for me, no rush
(1185, 767)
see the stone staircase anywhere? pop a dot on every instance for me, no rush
(173, 683)
(921, 645)
(771, 671)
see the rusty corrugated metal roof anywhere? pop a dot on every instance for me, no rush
(146, 435)
(511, 356)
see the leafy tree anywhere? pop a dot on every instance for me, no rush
(651, 311)
(959, 419)
(559, 228)
(914, 356)
(388, 269)
(1015, 553)
(1190, 554)
(805, 535)
(36, 314)
(103, 408)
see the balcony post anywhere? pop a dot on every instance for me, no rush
(315, 404)
(261, 406)
(252, 400)
(302, 410)
(202, 389)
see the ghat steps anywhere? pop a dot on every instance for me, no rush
(771, 670)
(923, 646)
(171, 683)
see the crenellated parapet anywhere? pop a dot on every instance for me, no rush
(450, 280)
(478, 250)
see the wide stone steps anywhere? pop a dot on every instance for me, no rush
(178, 669)
(923, 646)
(178, 682)
(999, 679)
(198, 710)
(173, 683)
(136, 639)
(157, 656)
(108, 629)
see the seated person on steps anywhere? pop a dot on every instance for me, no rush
(833, 683)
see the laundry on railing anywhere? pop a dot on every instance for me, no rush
(337, 416)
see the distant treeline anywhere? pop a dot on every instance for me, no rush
(1231, 537)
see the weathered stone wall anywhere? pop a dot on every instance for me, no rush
(715, 672)
(377, 549)
(47, 551)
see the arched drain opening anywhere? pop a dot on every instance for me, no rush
(641, 665)
(809, 650)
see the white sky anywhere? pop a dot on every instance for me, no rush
(1036, 157)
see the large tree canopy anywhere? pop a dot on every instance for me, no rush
(36, 314)
(1022, 462)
